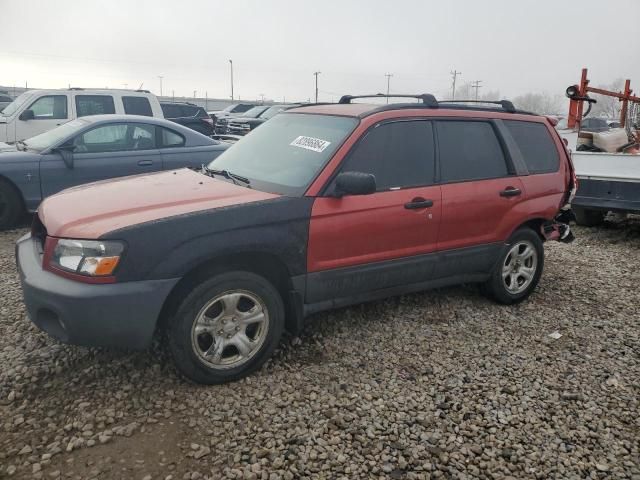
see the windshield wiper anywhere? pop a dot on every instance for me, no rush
(226, 174)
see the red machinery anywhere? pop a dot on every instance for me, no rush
(578, 94)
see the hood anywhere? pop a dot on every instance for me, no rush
(89, 211)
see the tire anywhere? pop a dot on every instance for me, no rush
(588, 218)
(216, 336)
(518, 271)
(11, 208)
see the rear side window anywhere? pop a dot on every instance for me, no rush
(94, 105)
(188, 111)
(137, 106)
(51, 107)
(469, 151)
(170, 111)
(536, 145)
(399, 154)
(171, 138)
(4, 98)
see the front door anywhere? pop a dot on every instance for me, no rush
(49, 112)
(103, 152)
(381, 240)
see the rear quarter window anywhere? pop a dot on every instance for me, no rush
(536, 145)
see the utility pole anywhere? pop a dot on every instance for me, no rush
(476, 85)
(388, 75)
(173, 95)
(206, 100)
(231, 65)
(160, 77)
(454, 74)
(194, 94)
(316, 75)
(262, 98)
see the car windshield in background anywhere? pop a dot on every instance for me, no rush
(254, 112)
(286, 153)
(55, 136)
(272, 112)
(17, 103)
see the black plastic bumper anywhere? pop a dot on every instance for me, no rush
(122, 315)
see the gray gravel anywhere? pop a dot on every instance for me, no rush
(442, 384)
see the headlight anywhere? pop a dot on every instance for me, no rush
(94, 258)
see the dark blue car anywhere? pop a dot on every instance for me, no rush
(94, 148)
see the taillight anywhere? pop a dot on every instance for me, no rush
(207, 120)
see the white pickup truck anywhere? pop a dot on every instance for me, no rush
(608, 180)
(37, 111)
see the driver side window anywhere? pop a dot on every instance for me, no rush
(116, 138)
(51, 107)
(399, 154)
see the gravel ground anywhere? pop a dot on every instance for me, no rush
(443, 384)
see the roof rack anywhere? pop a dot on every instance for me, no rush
(428, 99)
(505, 104)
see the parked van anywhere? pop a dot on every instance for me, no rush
(37, 111)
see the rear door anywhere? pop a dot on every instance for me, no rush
(86, 105)
(481, 195)
(363, 243)
(106, 151)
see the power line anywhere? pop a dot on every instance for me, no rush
(316, 75)
(454, 75)
(388, 75)
(476, 85)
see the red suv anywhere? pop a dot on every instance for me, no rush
(321, 207)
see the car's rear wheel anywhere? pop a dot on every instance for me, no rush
(10, 205)
(587, 217)
(226, 328)
(519, 269)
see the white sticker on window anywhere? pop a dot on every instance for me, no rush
(310, 143)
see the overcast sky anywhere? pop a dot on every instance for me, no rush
(512, 46)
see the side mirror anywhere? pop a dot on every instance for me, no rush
(66, 152)
(355, 183)
(27, 115)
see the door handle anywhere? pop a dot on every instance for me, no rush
(510, 192)
(144, 163)
(418, 203)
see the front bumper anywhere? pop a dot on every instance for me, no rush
(122, 315)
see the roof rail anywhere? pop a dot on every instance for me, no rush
(505, 104)
(76, 88)
(143, 91)
(428, 99)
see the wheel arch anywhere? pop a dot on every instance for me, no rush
(264, 264)
(534, 224)
(12, 185)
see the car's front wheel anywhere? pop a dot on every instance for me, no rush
(226, 328)
(519, 269)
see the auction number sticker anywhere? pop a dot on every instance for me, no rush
(310, 143)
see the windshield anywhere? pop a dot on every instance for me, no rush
(287, 153)
(15, 105)
(55, 136)
(273, 111)
(254, 112)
